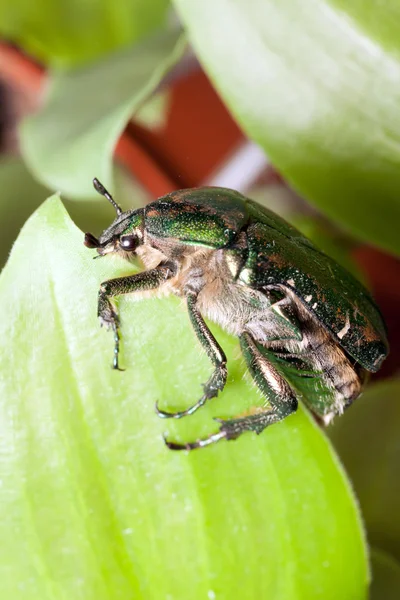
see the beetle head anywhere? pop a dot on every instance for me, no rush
(124, 235)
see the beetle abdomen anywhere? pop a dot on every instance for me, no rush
(324, 375)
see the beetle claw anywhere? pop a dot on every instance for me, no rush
(183, 413)
(201, 443)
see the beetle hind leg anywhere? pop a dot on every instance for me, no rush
(216, 382)
(274, 388)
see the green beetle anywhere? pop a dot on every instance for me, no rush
(306, 327)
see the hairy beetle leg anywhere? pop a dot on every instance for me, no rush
(217, 381)
(231, 429)
(274, 388)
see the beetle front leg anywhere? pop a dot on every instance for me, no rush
(274, 388)
(109, 318)
(216, 382)
(147, 280)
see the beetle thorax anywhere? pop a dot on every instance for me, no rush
(198, 269)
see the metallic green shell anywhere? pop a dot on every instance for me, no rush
(208, 216)
(281, 256)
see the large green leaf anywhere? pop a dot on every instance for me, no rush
(72, 138)
(317, 84)
(65, 33)
(96, 506)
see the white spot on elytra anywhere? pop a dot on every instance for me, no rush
(345, 329)
(308, 298)
(315, 305)
(211, 595)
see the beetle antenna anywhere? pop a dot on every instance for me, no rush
(99, 187)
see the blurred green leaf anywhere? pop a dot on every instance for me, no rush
(20, 196)
(316, 84)
(368, 442)
(96, 505)
(385, 584)
(72, 138)
(66, 33)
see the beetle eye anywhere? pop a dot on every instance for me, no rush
(128, 242)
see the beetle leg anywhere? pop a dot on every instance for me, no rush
(216, 382)
(146, 280)
(274, 388)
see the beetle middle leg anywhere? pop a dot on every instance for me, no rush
(274, 388)
(147, 280)
(216, 382)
